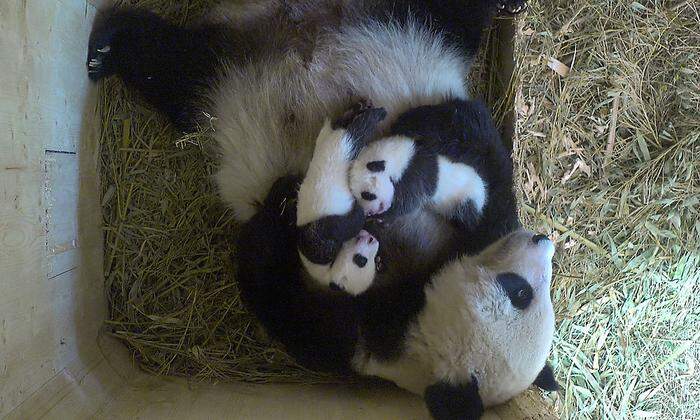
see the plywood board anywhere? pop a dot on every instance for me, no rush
(50, 255)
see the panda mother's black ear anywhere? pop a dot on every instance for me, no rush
(451, 402)
(546, 380)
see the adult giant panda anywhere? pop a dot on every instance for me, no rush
(461, 314)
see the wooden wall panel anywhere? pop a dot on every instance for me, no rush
(51, 300)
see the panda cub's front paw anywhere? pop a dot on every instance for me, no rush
(351, 114)
(355, 266)
(360, 123)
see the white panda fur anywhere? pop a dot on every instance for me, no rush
(268, 108)
(486, 340)
(393, 67)
(325, 190)
(455, 183)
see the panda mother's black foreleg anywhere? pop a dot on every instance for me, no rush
(171, 66)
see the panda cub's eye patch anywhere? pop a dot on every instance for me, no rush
(359, 260)
(368, 196)
(376, 166)
(517, 288)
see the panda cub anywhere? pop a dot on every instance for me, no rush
(333, 246)
(426, 161)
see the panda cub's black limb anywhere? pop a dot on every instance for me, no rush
(333, 247)
(435, 155)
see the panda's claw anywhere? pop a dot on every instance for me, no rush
(96, 61)
(511, 6)
(351, 113)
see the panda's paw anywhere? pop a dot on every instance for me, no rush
(361, 122)
(351, 113)
(512, 7)
(120, 40)
(98, 56)
(109, 27)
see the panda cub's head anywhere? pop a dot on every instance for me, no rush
(487, 325)
(353, 268)
(355, 265)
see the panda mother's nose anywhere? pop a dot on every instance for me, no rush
(539, 238)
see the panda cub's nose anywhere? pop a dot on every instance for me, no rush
(539, 238)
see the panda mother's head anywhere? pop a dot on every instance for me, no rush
(487, 325)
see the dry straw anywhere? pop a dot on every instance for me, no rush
(172, 297)
(608, 149)
(608, 157)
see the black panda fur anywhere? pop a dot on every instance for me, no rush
(462, 132)
(173, 67)
(183, 71)
(319, 329)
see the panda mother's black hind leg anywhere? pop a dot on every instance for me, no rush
(171, 66)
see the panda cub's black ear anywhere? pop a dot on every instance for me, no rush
(451, 402)
(546, 380)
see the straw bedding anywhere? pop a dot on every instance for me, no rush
(608, 158)
(608, 147)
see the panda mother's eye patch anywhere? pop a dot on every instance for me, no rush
(517, 288)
